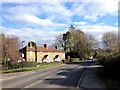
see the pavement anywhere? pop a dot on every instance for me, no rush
(91, 79)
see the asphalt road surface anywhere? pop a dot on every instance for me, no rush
(65, 76)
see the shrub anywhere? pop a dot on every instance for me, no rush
(75, 59)
(66, 61)
(72, 60)
(27, 64)
(111, 65)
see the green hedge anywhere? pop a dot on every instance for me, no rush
(27, 64)
(72, 60)
(111, 63)
(16, 65)
(24, 64)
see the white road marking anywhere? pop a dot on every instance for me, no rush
(36, 82)
(32, 84)
(81, 79)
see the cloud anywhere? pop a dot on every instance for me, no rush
(31, 13)
(80, 23)
(29, 34)
(116, 24)
(93, 10)
(29, 19)
(97, 30)
(42, 20)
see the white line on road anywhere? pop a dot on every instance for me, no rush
(35, 82)
(78, 85)
(31, 84)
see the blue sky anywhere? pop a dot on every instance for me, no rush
(41, 21)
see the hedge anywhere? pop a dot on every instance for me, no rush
(111, 65)
(16, 65)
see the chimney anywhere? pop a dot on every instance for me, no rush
(30, 44)
(46, 46)
(56, 47)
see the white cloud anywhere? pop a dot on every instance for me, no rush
(97, 30)
(30, 12)
(31, 19)
(56, 17)
(91, 17)
(92, 10)
(116, 24)
(101, 23)
(80, 23)
(40, 36)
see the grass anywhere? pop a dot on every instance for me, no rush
(31, 68)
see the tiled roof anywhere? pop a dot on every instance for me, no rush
(43, 49)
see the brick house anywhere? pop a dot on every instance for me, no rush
(42, 54)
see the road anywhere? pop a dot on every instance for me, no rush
(65, 76)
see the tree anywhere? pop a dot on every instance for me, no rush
(91, 41)
(10, 48)
(111, 41)
(76, 43)
(91, 45)
(59, 41)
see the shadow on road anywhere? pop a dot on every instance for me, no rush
(68, 77)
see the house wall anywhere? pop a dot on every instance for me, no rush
(40, 55)
(30, 56)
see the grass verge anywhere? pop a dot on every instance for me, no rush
(32, 68)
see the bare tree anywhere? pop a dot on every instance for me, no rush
(91, 41)
(10, 48)
(59, 42)
(110, 40)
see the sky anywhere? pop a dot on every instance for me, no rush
(41, 20)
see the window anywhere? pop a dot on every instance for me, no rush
(40, 53)
(30, 52)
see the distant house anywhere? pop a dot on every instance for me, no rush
(42, 54)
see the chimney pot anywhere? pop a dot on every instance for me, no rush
(46, 46)
(56, 47)
(30, 44)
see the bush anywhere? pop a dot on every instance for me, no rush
(72, 60)
(111, 65)
(27, 64)
(46, 63)
(75, 59)
(16, 65)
